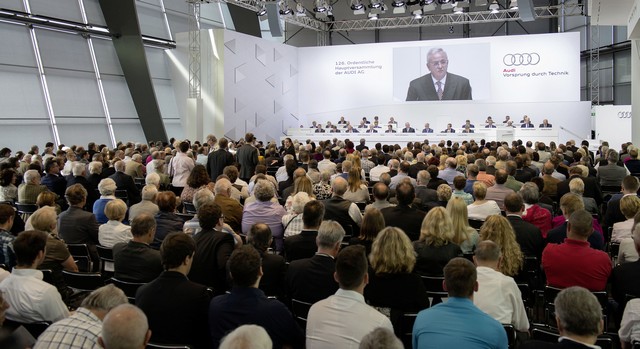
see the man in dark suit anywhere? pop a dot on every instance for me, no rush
(427, 129)
(528, 235)
(449, 129)
(591, 185)
(273, 265)
(219, 159)
(304, 245)
(424, 195)
(579, 319)
(247, 156)
(545, 124)
(468, 124)
(126, 182)
(136, 261)
(184, 319)
(362, 146)
(418, 166)
(558, 234)
(78, 176)
(372, 129)
(345, 212)
(404, 216)
(526, 122)
(439, 84)
(52, 179)
(407, 128)
(613, 214)
(390, 129)
(77, 226)
(213, 248)
(311, 279)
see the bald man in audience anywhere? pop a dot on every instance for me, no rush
(125, 327)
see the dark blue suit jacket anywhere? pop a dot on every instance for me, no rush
(456, 88)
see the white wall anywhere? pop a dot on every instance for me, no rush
(613, 124)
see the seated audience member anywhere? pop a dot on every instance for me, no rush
(304, 245)
(273, 265)
(498, 229)
(263, 210)
(57, 256)
(482, 208)
(247, 337)
(629, 331)
(403, 216)
(246, 304)
(550, 182)
(357, 189)
(231, 208)
(301, 185)
(485, 176)
(30, 298)
(76, 226)
(623, 277)
(435, 247)
(611, 174)
(630, 186)
(7, 256)
(8, 190)
(95, 174)
(213, 248)
(311, 279)
(343, 211)
(292, 222)
(380, 197)
(569, 204)
(201, 197)
(322, 190)
(424, 195)
(372, 224)
(458, 323)
(81, 330)
(459, 183)
(198, 179)
(392, 261)
(343, 319)
(579, 320)
(434, 181)
(114, 231)
(533, 212)
(463, 235)
(134, 167)
(107, 189)
(183, 320)
(629, 206)
(627, 250)
(53, 179)
(28, 191)
(498, 295)
(136, 261)
(528, 235)
(381, 338)
(125, 182)
(380, 168)
(125, 326)
(167, 221)
(574, 263)
(148, 203)
(498, 191)
(450, 172)
(576, 186)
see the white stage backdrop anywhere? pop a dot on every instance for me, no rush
(613, 124)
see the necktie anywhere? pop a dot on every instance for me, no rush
(439, 91)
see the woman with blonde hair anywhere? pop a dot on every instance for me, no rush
(357, 191)
(392, 260)
(114, 231)
(443, 162)
(463, 235)
(481, 208)
(372, 224)
(498, 229)
(300, 185)
(435, 248)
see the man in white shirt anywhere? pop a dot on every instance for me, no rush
(342, 320)
(326, 164)
(31, 299)
(498, 295)
(630, 326)
(374, 174)
(181, 167)
(403, 172)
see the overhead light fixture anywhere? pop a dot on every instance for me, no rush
(417, 14)
(481, 3)
(494, 7)
(446, 6)
(321, 6)
(457, 10)
(373, 16)
(358, 7)
(414, 5)
(513, 5)
(284, 8)
(300, 11)
(399, 6)
(377, 7)
(375, 4)
(442, 2)
(428, 5)
(262, 11)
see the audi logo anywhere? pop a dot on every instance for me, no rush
(624, 115)
(520, 59)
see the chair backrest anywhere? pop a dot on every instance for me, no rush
(475, 223)
(34, 328)
(433, 285)
(189, 207)
(635, 345)
(361, 205)
(26, 208)
(403, 326)
(47, 276)
(80, 253)
(121, 194)
(129, 288)
(614, 249)
(300, 309)
(105, 252)
(605, 342)
(511, 334)
(185, 216)
(167, 346)
(545, 335)
(106, 261)
(84, 282)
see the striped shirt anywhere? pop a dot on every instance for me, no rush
(80, 330)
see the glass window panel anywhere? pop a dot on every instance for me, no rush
(21, 94)
(63, 9)
(74, 94)
(94, 12)
(13, 134)
(128, 130)
(107, 58)
(118, 98)
(151, 20)
(62, 50)
(622, 67)
(157, 63)
(74, 131)
(16, 37)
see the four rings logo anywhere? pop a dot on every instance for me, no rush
(624, 115)
(520, 59)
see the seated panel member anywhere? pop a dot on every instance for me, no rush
(490, 124)
(467, 129)
(449, 129)
(468, 124)
(545, 123)
(526, 123)
(390, 129)
(319, 129)
(427, 129)
(407, 128)
(439, 84)
(372, 129)
(350, 129)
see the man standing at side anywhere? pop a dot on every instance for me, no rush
(341, 320)
(457, 323)
(247, 156)
(438, 84)
(219, 159)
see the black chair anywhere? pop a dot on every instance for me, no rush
(25, 210)
(122, 195)
(433, 285)
(361, 205)
(167, 346)
(80, 253)
(550, 294)
(185, 216)
(34, 328)
(189, 207)
(47, 276)
(511, 334)
(545, 334)
(469, 256)
(129, 288)
(403, 326)
(614, 249)
(475, 223)
(106, 261)
(635, 345)
(3, 266)
(300, 311)
(83, 282)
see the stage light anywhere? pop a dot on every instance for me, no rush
(494, 7)
(375, 4)
(399, 6)
(417, 14)
(373, 16)
(284, 8)
(414, 5)
(442, 2)
(457, 10)
(481, 3)
(513, 5)
(321, 6)
(358, 7)
(428, 5)
(377, 7)
(300, 11)
(262, 11)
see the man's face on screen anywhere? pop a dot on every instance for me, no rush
(437, 64)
